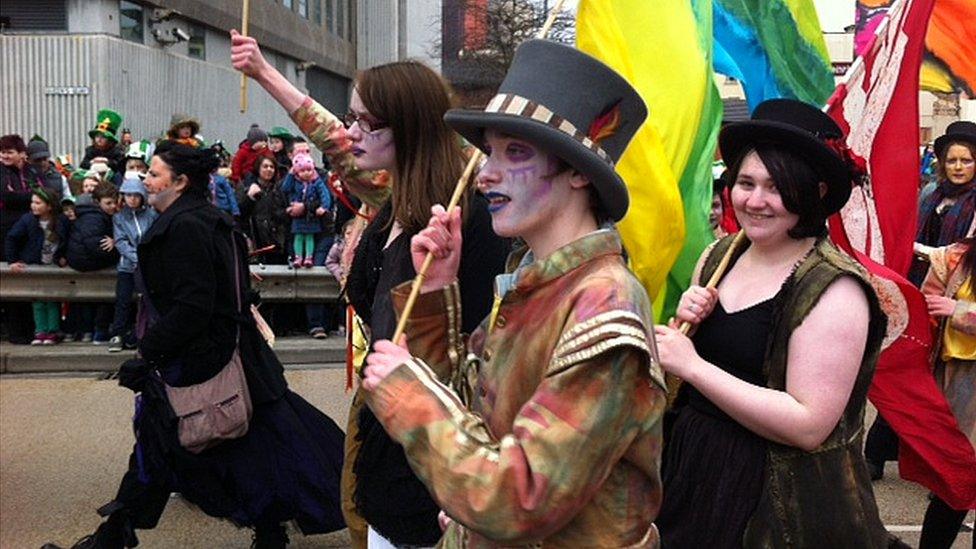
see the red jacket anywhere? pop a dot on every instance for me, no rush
(244, 160)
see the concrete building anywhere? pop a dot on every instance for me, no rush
(64, 59)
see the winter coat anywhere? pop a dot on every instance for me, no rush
(244, 159)
(114, 154)
(129, 226)
(313, 195)
(223, 195)
(263, 219)
(85, 252)
(186, 263)
(25, 240)
(15, 194)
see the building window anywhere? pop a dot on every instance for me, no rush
(286, 3)
(33, 15)
(197, 46)
(316, 12)
(330, 18)
(130, 21)
(341, 18)
(303, 8)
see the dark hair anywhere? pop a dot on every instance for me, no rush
(52, 198)
(290, 144)
(940, 172)
(798, 185)
(256, 168)
(195, 164)
(105, 189)
(13, 141)
(412, 99)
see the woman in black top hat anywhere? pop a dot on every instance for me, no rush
(767, 450)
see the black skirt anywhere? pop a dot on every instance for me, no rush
(713, 474)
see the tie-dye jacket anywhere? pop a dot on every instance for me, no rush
(328, 134)
(557, 442)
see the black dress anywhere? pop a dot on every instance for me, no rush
(713, 467)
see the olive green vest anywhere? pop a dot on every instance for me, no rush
(821, 498)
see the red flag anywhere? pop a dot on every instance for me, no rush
(877, 107)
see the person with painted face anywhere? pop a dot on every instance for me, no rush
(196, 316)
(549, 432)
(766, 452)
(394, 151)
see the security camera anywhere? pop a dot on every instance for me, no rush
(181, 35)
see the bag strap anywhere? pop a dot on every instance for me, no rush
(237, 285)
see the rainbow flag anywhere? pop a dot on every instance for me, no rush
(775, 48)
(663, 49)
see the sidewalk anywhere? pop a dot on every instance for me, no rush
(85, 357)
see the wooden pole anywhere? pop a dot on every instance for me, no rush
(462, 184)
(674, 382)
(245, 15)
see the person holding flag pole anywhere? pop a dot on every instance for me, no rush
(555, 438)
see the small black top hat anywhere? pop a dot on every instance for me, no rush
(960, 130)
(801, 128)
(570, 105)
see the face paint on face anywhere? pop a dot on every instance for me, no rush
(517, 179)
(373, 150)
(960, 166)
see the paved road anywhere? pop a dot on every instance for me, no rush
(64, 441)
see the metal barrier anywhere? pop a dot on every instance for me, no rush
(277, 283)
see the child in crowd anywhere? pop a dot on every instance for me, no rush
(333, 262)
(91, 247)
(134, 219)
(105, 143)
(38, 238)
(137, 157)
(309, 201)
(222, 194)
(253, 147)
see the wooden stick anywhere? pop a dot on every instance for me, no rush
(462, 184)
(672, 381)
(716, 277)
(245, 15)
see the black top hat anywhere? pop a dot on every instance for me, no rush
(960, 130)
(570, 105)
(801, 128)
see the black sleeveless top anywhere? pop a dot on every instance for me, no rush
(735, 342)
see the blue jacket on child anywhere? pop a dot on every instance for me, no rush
(223, 195)
(85, 251)
(25, 240)
(313, 194)
(130, 224)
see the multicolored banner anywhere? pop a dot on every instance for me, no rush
(877, 107)
(775, 48)
(950, 42)
(667, 166)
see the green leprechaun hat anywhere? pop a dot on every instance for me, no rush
(107, 125)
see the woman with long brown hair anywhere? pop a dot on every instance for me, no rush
(394, 127)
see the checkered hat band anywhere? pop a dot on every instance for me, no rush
(508, 103)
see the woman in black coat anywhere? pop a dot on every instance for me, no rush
(287, 466)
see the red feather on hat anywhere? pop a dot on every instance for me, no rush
(605, 125)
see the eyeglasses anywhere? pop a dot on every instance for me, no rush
(366, 124)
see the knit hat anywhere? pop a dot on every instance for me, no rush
(256, 134)
(38, 149)
(302, 161)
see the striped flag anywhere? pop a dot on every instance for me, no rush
(663, 50)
